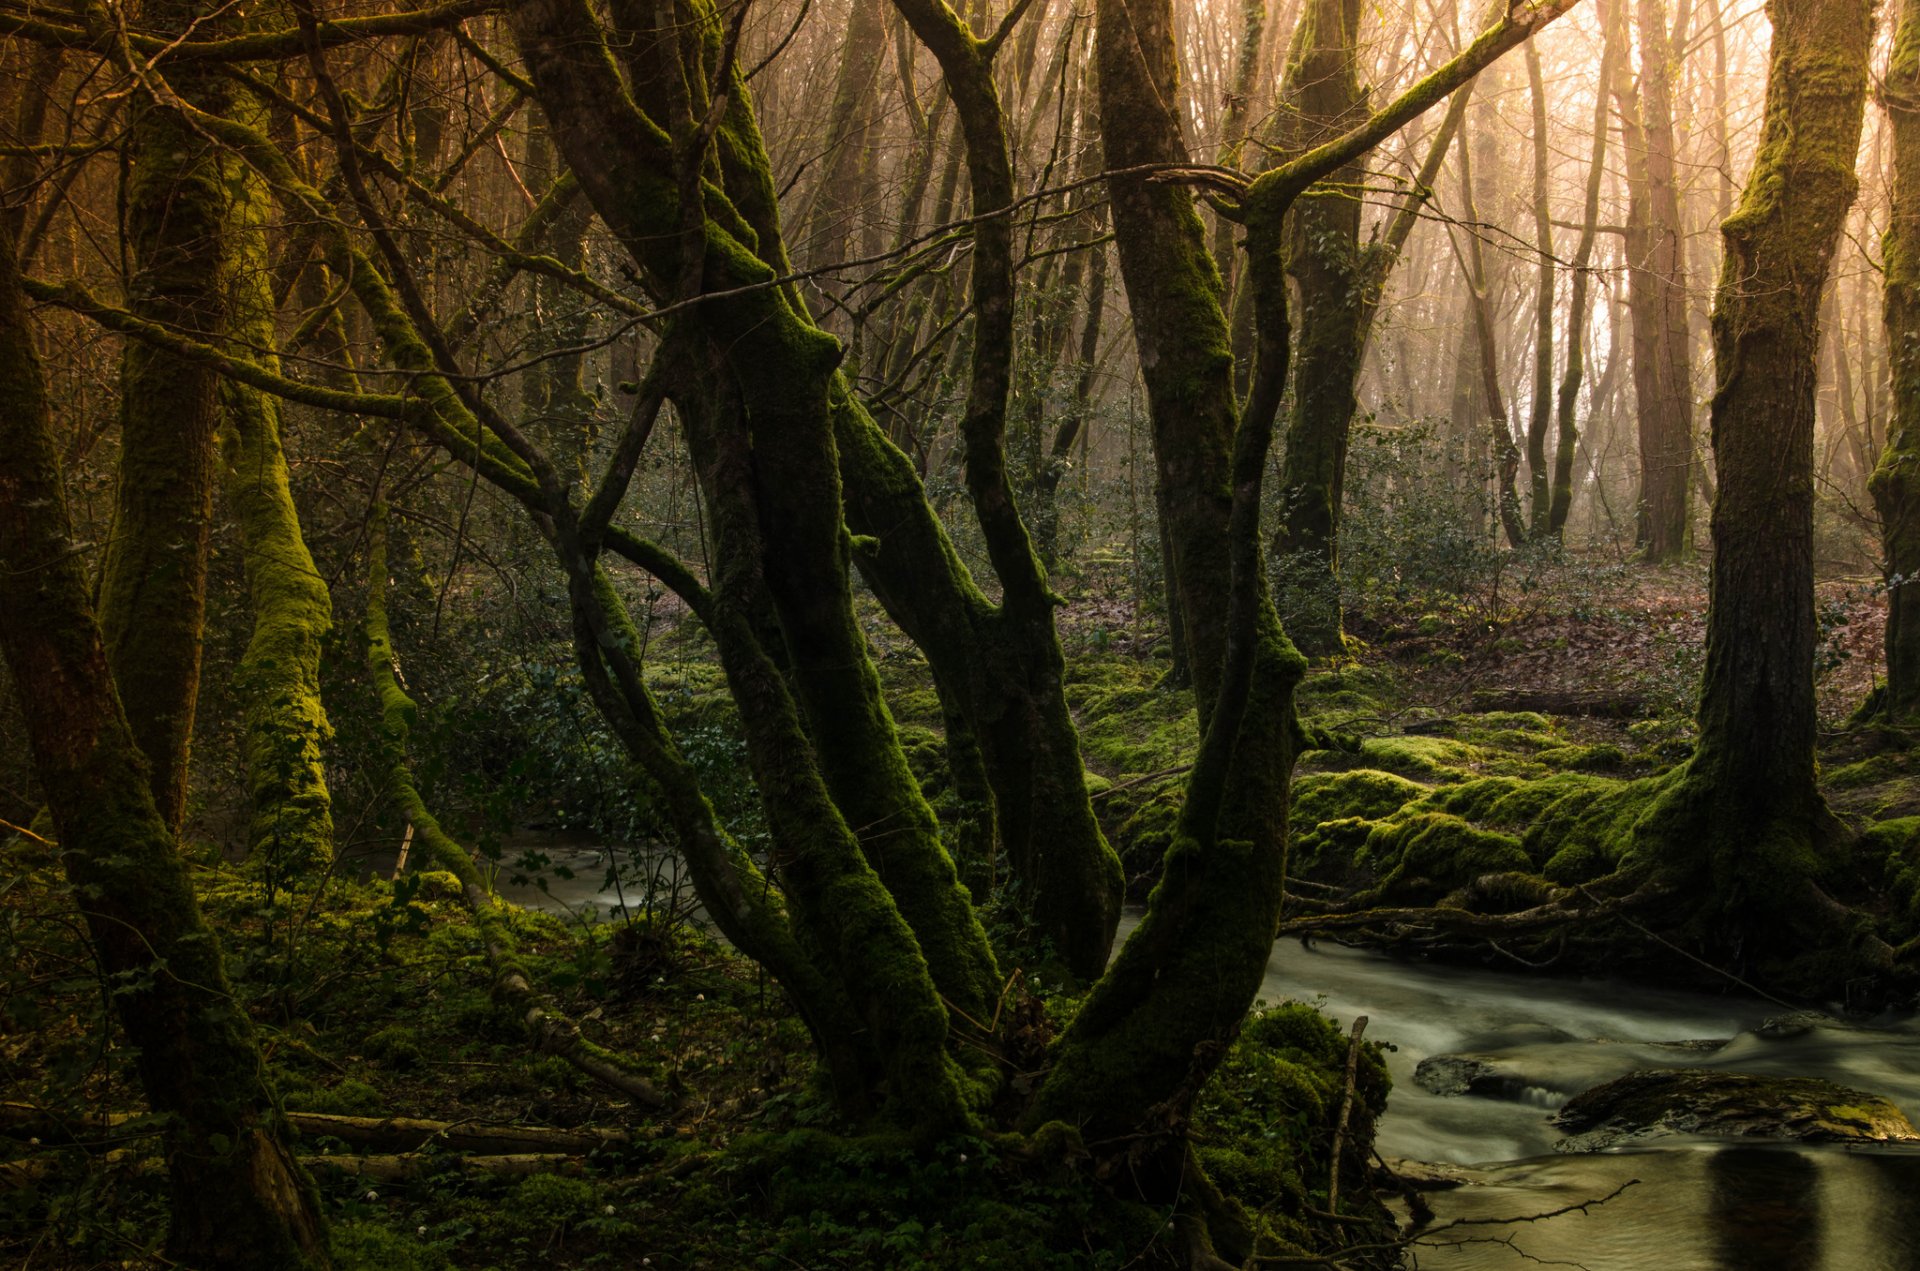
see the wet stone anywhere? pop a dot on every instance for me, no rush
(1656, 1102)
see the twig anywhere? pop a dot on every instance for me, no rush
(1346, 1110)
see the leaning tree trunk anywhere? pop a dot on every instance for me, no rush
(1744, 821)
(1895, 483)
(239, 1198)
(279, 675)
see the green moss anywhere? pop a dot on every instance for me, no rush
(1872, 771)
(367, 1246)
(544, 1206)
(1431, 853)
(1427, 758)
(1602, 757)
(349, 1097)
(1267, 1119)
(1895, 847)
(1129, 725)
(1358, 792)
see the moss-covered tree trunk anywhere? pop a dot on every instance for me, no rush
(153, 591)
(1745, 815)
(279, 675)
(1155, 1026)
(1323, 96)
(1895, 483)
(1027, 739)
(239, 1198)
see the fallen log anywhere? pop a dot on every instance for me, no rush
(1597, 703)
(388, 1134)
(400, 1166)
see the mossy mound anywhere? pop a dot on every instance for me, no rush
(1424, 758)
(1357, 792)
(1896, 846)
(1428, 854)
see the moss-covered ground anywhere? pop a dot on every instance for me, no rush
(372, 995)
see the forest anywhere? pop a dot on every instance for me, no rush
(959, 633)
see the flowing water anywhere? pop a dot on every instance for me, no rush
(1693, 1204)
(1697, 1204)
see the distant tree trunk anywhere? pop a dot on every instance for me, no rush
(154, 590)
(239, 1199)
(1745, 813)
(1895, 483)
(826, 224)
(1342, 282)
(1567, 442)
(1506, 455)
(1657, 290)
(1540, 485)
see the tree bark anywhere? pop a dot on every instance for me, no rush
(1895, 483)
(279, 675)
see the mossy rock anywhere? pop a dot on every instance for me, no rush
(1265, 1122)
(1661, 1101)
(1895, 845)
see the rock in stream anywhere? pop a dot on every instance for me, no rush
(1654, 1102)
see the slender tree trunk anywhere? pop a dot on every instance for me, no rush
(239, 1198)
(1506, 455)
(1324, 97)
(1567, 442)
(1540, 485)
(1895, 483)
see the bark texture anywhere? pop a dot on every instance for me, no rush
(1895, 483)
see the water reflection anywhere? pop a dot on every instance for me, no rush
(1764, 1207)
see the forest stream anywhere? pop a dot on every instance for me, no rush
(1698, 1204)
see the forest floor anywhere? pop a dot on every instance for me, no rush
(372, 998)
